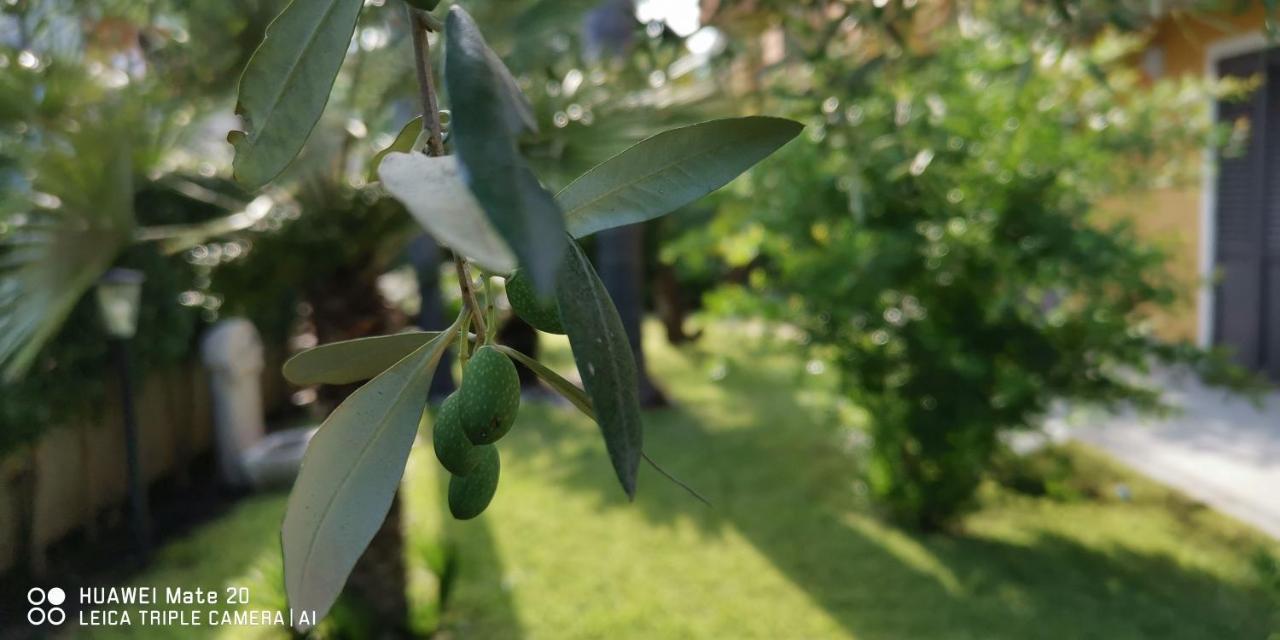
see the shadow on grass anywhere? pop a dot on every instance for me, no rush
(778, 474)
(471, 550)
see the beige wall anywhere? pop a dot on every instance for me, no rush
(80, 467)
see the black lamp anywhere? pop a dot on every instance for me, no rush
(119, 293)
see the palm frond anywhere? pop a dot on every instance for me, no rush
(80, 217)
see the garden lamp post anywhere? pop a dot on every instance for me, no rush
(119, 294)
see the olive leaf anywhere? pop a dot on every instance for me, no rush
(348, 478)
(286, 85)
(604, 360)
(353, 360)
(669, 170)
(435, 195)
(403, 143)
(520, 117)
(483, 133)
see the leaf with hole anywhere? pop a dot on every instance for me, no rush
(669, 170)
(435, 195)
(286, 85)
(522, 211)
(349, 475)
(604, 359)
(352, 360)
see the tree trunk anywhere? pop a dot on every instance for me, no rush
(379, 581)
(669, 302)
(351, 307)
(519, 335)
(620, 253)
(348, 307)
(426, 256)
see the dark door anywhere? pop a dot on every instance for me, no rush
(1247, 245)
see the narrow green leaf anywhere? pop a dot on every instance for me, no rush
(435, 195)
(522, 211)
(176, 238)
(402, 144)
(349, 475)
(568, 390)
(604, 360)
(286, 85)
(669, 170)
(353, 360)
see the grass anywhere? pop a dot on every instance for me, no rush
(790, 548)
(240, 549)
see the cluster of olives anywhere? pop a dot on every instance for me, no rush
(483, 409)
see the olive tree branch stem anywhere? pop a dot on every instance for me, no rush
(420, 24)
(426, 85)
(469, 296)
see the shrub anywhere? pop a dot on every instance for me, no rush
(940, 231)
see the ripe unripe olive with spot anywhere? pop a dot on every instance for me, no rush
(454, 451)
(489, 396)
(540, 312)
(469, 495)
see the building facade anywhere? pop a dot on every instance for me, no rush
(1225, 230)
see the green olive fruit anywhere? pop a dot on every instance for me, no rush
(489, 396)
(470, 494)
(425, 5)
(541, 313)
(453, 449)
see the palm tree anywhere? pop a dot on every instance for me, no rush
(78, 137)
(86, 124)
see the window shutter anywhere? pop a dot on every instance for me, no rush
(1241, 201)
(1269, 238)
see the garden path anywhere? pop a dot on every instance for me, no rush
(1219, 448)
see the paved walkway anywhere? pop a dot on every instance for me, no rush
(1219, 449)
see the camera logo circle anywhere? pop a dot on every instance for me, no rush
(45, 606)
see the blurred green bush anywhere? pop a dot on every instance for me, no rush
(940, 232)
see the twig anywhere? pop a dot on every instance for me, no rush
(430, 22)
(426, 86)
(419, 24)
(469, 296)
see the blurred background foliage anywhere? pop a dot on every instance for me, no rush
(97, 102)
(938, 232)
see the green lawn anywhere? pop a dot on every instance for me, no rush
(789, 549)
